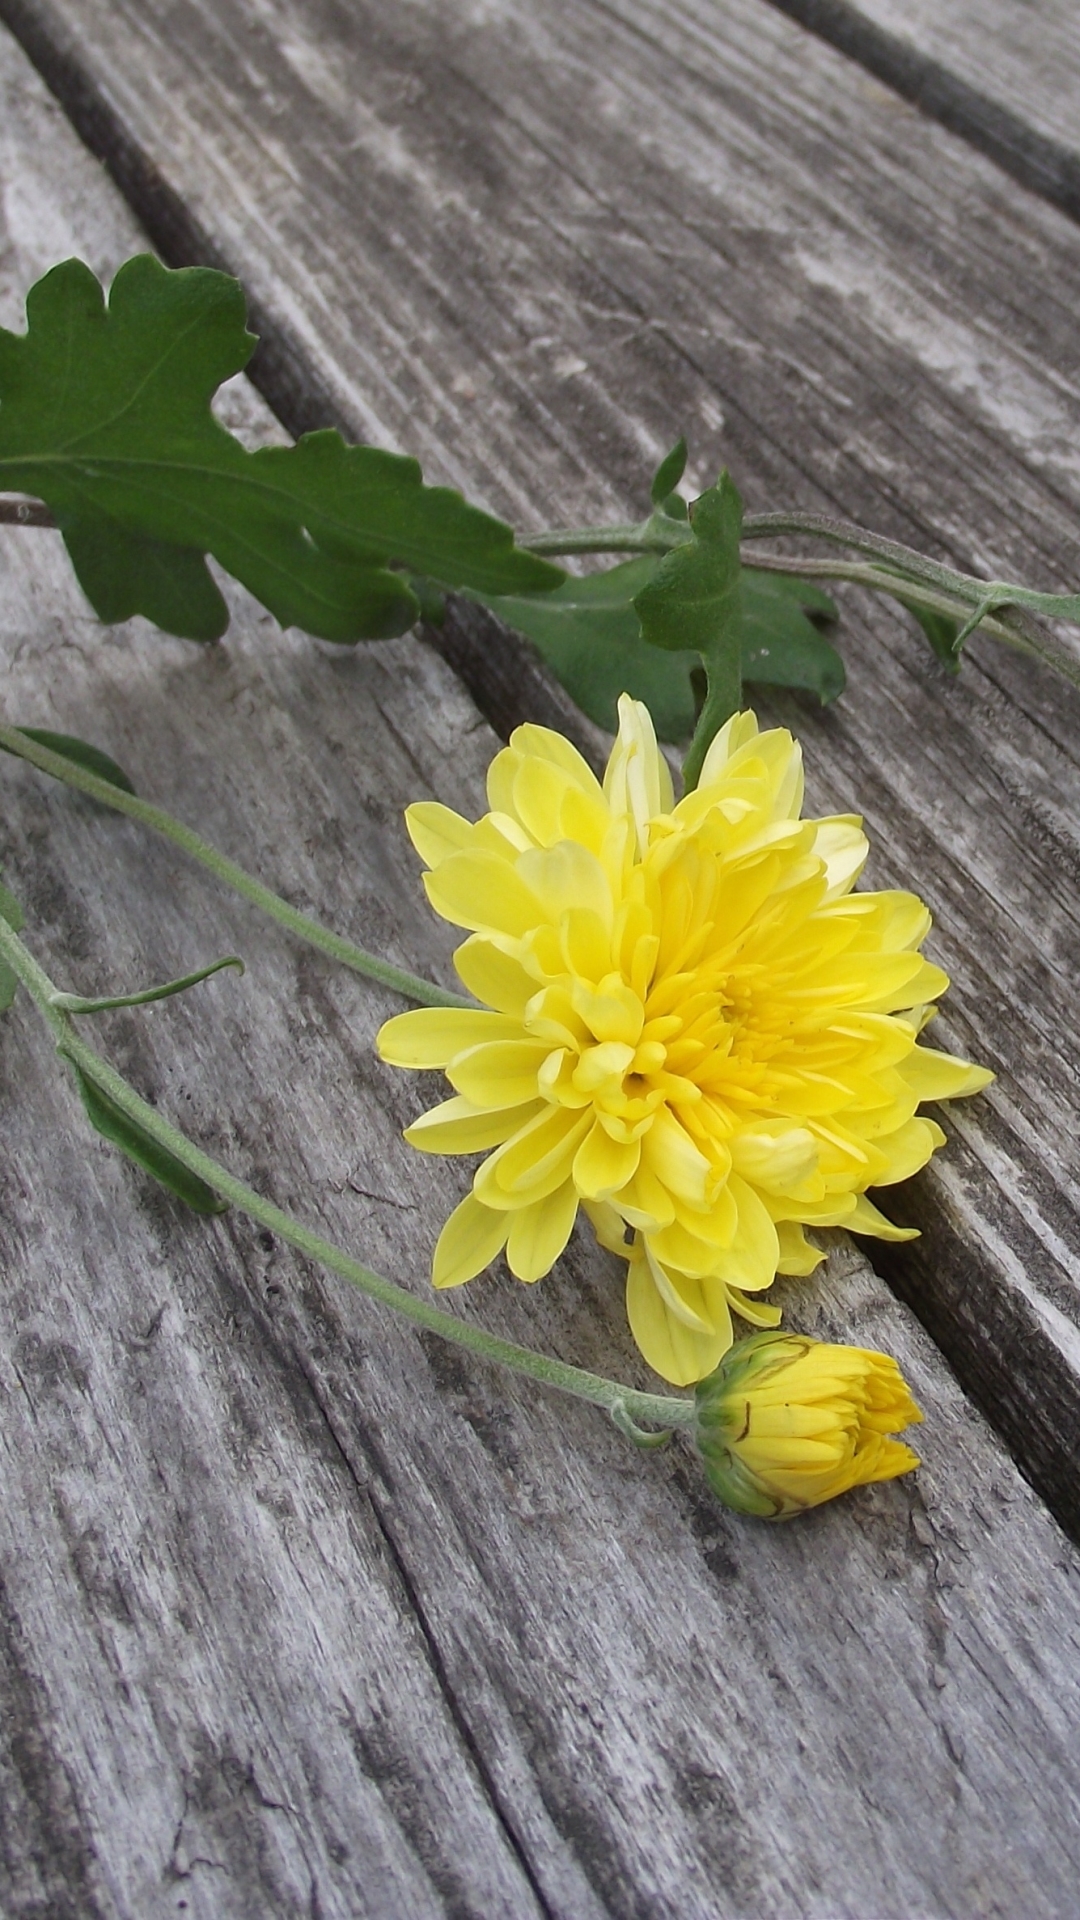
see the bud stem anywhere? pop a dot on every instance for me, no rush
(622, 1402)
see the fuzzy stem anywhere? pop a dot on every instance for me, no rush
(645, 536)
(925, 581)
(397, 978)
(619, 1400)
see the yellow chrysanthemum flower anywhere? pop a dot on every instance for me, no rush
(697, 1031)
(787, 1422)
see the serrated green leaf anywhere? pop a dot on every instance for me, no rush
(693, 598)
(668, 474)
(81, 753)
(122, 575)
(589, 634)
(782, 647)
(13, 914)
(105, 415)
(942, 634)
(121, 1131)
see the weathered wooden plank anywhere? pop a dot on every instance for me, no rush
(302, 1614)
(1004, 77)
(532, 243)
(187, 1561)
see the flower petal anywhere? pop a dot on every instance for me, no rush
(866, 1218)
(494, 976)
(938, 1076)
(482, 891)
(456, 1126)
(472, 1238)
(436, 831)
(431, 1036)
(908, 1149)
(502, 1074)
(603, 1165)
(679, 1353)
(539, 1233)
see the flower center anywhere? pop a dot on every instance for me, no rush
(627, 1057)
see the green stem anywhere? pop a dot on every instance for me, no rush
(78, 1003)
(1008, 625)
(921, 575)
(723, 698)
(847, 533)
(645, 536)
(397, 978)
(902, 572)
(619, 1400)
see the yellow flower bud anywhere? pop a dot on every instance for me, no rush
(787, 1422)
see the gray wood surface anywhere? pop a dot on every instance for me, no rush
(533, 242)
(300, 1614)
(1003, 75)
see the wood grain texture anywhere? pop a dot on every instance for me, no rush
(532, 242)
(302, 1614)
(1003, 76)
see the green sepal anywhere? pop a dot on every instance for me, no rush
(16, 919)
(139, 1146)
(80, 753)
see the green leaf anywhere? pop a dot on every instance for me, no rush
(13, 914)
(589, 634)
(666, 479)
(141, 1147)
(942, 633)
(91, 759)
(782, 645)
(430, 601)
(693, 598)
(105, 415)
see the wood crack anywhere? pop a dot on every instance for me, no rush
(1028, 156)
(439, 1670)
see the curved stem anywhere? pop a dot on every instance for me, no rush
(611, 1394)
(1012, 626)
(1010, 601)
(397, 978)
